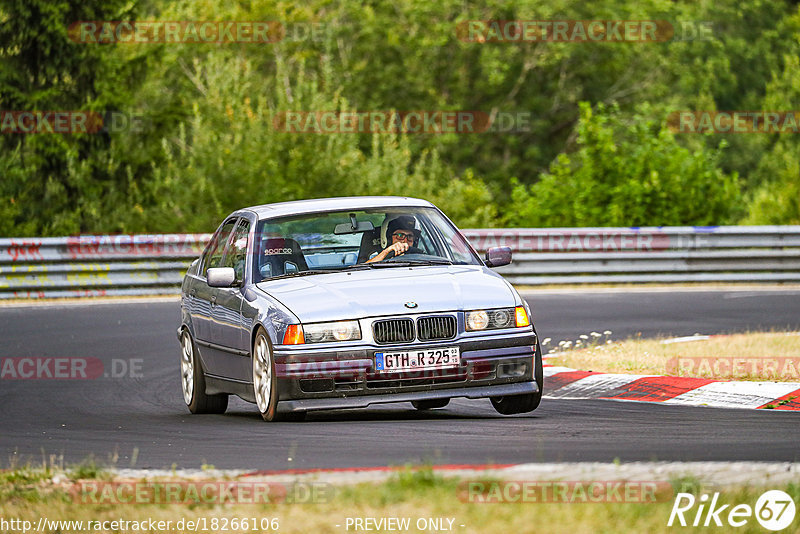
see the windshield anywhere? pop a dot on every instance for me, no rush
(343, 240)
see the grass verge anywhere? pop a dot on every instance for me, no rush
(429, 501)
(751, 356)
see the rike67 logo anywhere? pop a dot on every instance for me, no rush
(774, 510)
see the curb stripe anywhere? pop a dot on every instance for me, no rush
(560, 380)
(565, 383)
(734, 394)
(791, 402)
(593, 386)
(657, 389)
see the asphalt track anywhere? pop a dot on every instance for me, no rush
(110, 418)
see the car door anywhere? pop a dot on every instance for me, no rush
(205, 297)
(227, 329)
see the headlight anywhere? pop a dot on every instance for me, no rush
(490, 319)
(338, 331)
(477, 320)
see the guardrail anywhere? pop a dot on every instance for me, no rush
(88, 266)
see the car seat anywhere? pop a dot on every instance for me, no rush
(370, 244)
(280, 256)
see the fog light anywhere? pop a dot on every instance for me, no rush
(509, 370)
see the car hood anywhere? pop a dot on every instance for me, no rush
(385, 291)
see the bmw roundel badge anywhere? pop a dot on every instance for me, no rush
(410, 304)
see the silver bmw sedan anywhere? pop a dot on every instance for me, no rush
(347, 302)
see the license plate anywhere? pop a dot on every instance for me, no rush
(412, 360)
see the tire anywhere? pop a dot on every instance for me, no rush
(265, 383)
(430, 404)
(193, 382)
(513, 404)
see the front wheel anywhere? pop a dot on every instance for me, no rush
(265, 383)
(193, 381)
(513, 404)
(264, 379)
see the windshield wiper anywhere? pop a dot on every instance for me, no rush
(357, 267)
(409, 263)
(303, 273)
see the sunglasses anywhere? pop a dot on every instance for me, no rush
(403, 235)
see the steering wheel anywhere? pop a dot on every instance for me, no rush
(411, 250)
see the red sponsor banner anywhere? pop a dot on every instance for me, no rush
(564, 492)
(200, 492)
(778, 368)
(53, 122)
(51, 368)
(378, 121)
(536, 240)
(565, 31)
(180, 31)
(734, 122)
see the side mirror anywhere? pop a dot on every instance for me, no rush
(220, 276)
(498, 256)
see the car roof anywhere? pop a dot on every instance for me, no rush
(297, 207)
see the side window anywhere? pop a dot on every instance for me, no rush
(237, 252)
(213, 254)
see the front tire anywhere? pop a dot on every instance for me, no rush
(265, 383)
(193, 382)
(513, 404)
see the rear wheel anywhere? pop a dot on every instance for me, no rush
(513, 404)
(193, 381)
(430, 404)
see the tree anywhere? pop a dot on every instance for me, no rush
(627, 172)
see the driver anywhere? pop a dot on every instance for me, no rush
(401, 232)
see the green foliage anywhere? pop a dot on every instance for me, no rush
(208, 144)
(88, 469)
(776, 199)
(626, 172)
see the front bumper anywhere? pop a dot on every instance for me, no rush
(362, 401)
(491, 365)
